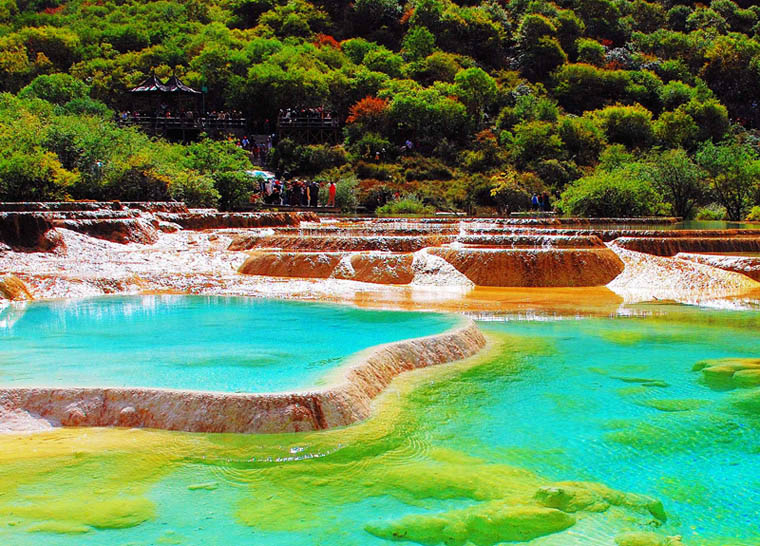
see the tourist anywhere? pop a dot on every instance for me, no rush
(331, 195)
(314, 194)
(546, 207)
(534, 201)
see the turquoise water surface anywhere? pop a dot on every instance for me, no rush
(610, 400)
(193, 342)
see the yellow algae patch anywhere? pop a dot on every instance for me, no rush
(643, 538)
(53, 477)
(74, 513)
(60, 527)
(623, 337)
(595, 497)
(485, 524)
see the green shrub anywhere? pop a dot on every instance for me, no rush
(377, 171)
(375, 197)
(345, 190)
(409, 205)
(628, 125)
(33, 176)
(754, 214)
(713, 212)
(619, 193)
(424, 168)
(55, 88)
(590, 51)
(509, 192)
(370, 146)
(196, 190)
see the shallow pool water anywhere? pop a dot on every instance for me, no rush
(193, 342)
(609, 400)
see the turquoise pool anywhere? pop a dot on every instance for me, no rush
(609, 400)
(194, 342)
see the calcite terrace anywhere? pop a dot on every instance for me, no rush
(70, 250)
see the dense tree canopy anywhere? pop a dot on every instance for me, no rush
(514, 95)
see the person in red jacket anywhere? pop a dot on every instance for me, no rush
(331, 195)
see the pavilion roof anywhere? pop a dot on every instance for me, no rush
(175, 85)
(152, 84)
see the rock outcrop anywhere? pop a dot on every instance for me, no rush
(29, 231)
(13, 288)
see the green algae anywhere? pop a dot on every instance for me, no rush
(643, 381)
(679, 432)
(693, 491)
(291, 482)
(641, 538)
(676, 404)
(210, 486)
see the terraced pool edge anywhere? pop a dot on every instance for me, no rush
(345, 402)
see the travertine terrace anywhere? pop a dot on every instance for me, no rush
(346, 401)
(70, 250)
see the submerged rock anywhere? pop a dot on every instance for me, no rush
(484, 524)
(730, 373)
(641, 538)
(596, 497)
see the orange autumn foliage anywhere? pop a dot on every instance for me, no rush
(321, 40)
(369, 109)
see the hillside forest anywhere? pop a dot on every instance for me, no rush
(612, 107)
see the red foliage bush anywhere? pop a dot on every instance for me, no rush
(369, 109)
(321, 40)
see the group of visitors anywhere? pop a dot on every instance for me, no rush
(541, 202)
(319, 114)
(164, 111)
(295, 193)
(224, 115)
(257, 150)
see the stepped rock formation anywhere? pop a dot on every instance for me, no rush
(310, 265)
(746, 265)
(534, 267)
(670, 246)
(647, 277)
(532, 240)
(346, 402)
(198, 219)
(338, 243)
(117, 230)
(379, 268)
